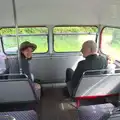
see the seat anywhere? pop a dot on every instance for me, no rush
(36, 87)
(19, 115)
(95, 112)
(9, 62)
(72, 91)
(97, 95)
(20, 95)
(98, 89)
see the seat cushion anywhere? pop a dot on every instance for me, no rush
(22, 115)
(95, 112)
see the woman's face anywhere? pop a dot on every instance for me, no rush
(27, 52)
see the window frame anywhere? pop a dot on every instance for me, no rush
(43, 34)
(71, 34)
(100, 40)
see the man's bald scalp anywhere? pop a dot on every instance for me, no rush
(91, 45)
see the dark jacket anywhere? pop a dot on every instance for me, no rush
(92, 62)
(13, 67)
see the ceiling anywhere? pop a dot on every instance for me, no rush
(60, 12)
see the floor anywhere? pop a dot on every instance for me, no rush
(54, 106)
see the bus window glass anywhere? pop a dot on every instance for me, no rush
(39, 36)
(70, 39)
(110, 44)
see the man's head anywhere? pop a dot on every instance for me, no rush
(26, 49)
(88, 48)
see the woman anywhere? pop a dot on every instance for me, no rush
(26, 49)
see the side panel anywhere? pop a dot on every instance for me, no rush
(53, 69)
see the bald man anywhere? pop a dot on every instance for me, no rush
(92, 62)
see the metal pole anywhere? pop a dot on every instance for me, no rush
(17, 39)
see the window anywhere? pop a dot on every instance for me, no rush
(111, 42)
(70, 39)
(37, 35)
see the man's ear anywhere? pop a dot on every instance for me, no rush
(29, 58)
(22, 51)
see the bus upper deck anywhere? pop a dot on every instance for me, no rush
(58, 28)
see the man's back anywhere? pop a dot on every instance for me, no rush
(92, 62)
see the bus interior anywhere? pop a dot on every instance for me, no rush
(58, 28)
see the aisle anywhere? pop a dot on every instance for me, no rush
(53, 106)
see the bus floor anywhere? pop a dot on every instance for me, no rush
(53, 106)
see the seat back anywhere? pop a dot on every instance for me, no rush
(6, 117)
(98, 86)
(17, 94)
(13, 76)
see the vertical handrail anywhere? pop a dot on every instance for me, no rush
(17, 39)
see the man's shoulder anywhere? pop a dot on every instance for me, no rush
(81, 62)
(102, 58)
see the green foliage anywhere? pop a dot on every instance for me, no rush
(114, 33)
(40, 41)
(70, 43)
(39, 30)
(33, 30)
(7, 31)
(63, 43)
(116, 36)
(108, 30)
(75, 29)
